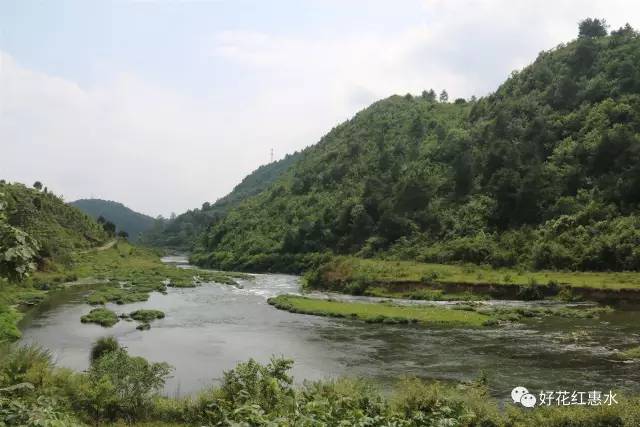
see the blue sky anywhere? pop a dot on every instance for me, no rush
(163, 105)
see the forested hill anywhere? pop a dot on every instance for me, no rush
(125, 219)
(37, 226)
(184, 231)
(543, 173)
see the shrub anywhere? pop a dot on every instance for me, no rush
(269, 387)
(356, 287)
(121, 386)
(25, 364)
(423, 403)
(103, 346)
(534, 291)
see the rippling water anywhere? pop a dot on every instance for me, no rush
(210, 328)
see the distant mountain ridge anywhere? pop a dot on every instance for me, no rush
(125, 219)
(184, 231)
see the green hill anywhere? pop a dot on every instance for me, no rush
(36, 227)
(125, 219)
(184, 231)
(543, 173)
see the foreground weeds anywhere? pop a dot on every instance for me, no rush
(120, 389)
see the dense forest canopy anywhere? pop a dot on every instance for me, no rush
(184, 231)
(125, 219)
(544, 173)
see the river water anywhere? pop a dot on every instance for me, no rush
(209, 329)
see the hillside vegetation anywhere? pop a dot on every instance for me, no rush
(37, 231)
(124, 218)
(185, 230)
(38, 227)
(544, 173)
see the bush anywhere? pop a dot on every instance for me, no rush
(355, 288)
(429, 404)
(24, 364)
(534, 291)
(123, 389)
(121, 386)
(103, 346)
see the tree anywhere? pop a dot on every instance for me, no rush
(17, 253)
(123, 234)
(37, 185)
(429, 96)
(444, 96)
(592, 28)
(109, 227)
(18, 249)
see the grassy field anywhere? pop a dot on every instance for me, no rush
(380, 312)
(126, 274)
(376, 271)
(126, 262)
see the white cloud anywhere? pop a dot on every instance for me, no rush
(159, 150)
(145, 146)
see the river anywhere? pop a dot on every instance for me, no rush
(209, 329)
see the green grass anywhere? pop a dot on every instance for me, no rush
(253, 394)
(9, 318)
(351, 269)
(379, 313)
(13, 298)
(118, 295)
(138, 265)
(146, 316)
(133, 272)
(423, 294)
(122, 274)
(101, 316)
(470, 313)
(632, 353)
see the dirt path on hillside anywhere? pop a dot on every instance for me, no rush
(104, 247)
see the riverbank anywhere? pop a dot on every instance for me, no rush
(120, 389)
(413, 280)
(118, 272)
